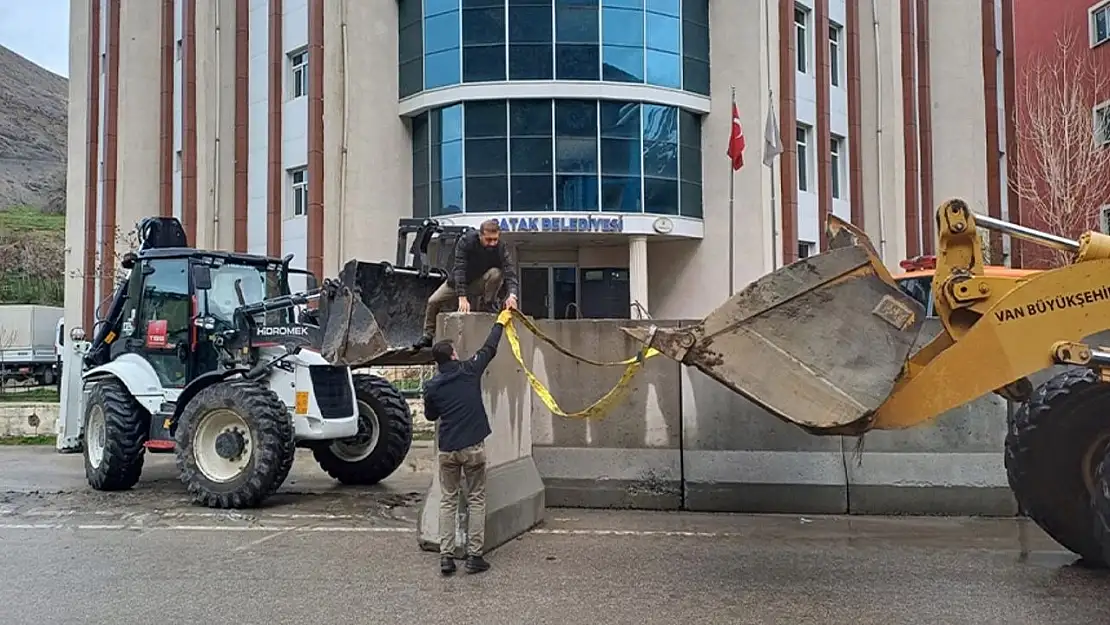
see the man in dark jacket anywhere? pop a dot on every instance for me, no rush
(453, 397)
(480, 266)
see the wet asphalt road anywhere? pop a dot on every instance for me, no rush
(331, 556)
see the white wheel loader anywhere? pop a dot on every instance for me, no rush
(203, 354)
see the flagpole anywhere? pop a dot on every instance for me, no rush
(731, 198)
(774, 204)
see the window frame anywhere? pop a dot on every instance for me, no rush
(298, 73)
(836, 158)
(298, 189)
(801, 146)
(1102, 109)
(806, 249)
(801, 37)
(835, 65)
(1093, 12)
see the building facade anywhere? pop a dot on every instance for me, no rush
(595, 131)
(1061, 48)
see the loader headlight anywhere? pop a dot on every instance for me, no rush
(77, 334)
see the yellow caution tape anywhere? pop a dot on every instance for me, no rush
(599, 408)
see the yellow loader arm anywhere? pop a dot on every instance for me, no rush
(825, 342)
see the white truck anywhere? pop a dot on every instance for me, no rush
(27, 342)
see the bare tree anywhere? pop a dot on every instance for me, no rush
(1062, 169)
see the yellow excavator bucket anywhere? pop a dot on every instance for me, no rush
(819, 343)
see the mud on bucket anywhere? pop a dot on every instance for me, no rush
(373, 313)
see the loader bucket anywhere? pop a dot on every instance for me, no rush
(373, 313)
(819, 343)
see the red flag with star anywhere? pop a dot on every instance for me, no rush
(736, 140)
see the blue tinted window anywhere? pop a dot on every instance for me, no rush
(409, 12)
(470, 4)
(411, 78)
(483, 63)
(696, 11)
(576, 24)
(695, 41)
(661, 196)
(441, 32)
(623, 27)
(531, 62)
(447, 160)
(576, 193)
(664, 69)
(434, 7)
(532, 193)
(563, 155)
(660, 141)
(621, 194)
(530, 24)
(663, 33)
(442, 68)
(483, 26)
(446, 124)
(577, 62)
(447, 196)
(487, 194)
(668, 7)
(486, 119)
(622, 64)
(530, 118)
(627, 4)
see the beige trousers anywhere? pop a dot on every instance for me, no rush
(456, 468)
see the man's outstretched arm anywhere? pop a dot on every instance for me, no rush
(488, 350)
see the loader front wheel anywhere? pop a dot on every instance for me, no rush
(235, 444)
(116, 427)
(383, 440)
(1054, 446)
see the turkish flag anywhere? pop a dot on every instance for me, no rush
(736, 140)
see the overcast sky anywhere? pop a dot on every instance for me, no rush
(38, 30)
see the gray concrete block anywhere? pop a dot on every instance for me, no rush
(579, 477)
(739, 458)
(515, 503)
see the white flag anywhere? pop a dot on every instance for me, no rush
(772, 143)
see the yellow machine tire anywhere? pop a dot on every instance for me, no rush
(1049, 461)
(1100, 506)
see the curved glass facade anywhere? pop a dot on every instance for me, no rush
(656, 42)
(557, 155)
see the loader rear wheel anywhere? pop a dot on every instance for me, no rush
(1054, 445)
(116, 427)
(383, 440)
(235, 444)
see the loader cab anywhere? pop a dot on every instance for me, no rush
(917, 281)
(178, 297)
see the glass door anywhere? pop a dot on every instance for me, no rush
(549, 291)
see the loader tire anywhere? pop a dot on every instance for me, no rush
(383, 440)
(235, 444)
(1054, 445)
(115, 428)
(1100, 506)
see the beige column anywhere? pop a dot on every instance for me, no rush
(638, 276)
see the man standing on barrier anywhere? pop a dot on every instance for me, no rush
(481, 265)
(453, 397)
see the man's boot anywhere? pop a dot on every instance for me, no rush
(476, 564)
(424, 342)
(446, 565)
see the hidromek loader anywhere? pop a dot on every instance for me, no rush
(826, 343)
(209, 355)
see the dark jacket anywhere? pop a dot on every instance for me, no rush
(454, 397)
(472, 260)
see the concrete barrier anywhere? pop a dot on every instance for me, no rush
(514, 491)
(739, 458)
(632, 457)
(28, 419)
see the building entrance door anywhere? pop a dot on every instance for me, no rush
(549, 291)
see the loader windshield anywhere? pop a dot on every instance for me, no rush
(236, 284)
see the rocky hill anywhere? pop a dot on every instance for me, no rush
(33, 112)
